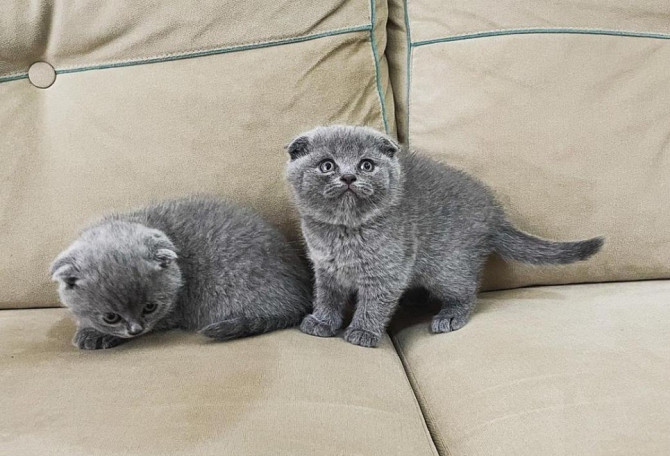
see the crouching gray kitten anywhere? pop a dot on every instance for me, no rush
(196, 264)
(379, 220)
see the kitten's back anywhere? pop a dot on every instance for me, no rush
(441, 194)
(445, 198)
(234, 263)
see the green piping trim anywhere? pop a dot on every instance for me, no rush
(408, 76)
(244, 47)
(14, 77)
(531, 31)
(375, 55)
(226, 50)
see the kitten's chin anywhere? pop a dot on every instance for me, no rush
(349, 218)
(344, 210)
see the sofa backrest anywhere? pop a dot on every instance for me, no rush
(563, 108)
(161, 99)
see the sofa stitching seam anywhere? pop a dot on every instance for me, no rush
(399, 360)
(196, 53)
(539, 31)
(375, 57)
(408, 72)
(426, 412)
(13, 77)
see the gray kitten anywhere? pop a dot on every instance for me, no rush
(197, 264)
(379, 220)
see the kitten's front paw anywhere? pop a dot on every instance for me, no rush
(362, 337)
(90, 339)
(446, 323)
(315, 327)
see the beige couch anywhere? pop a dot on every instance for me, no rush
(562, 107)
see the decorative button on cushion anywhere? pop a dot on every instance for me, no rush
(41, 74)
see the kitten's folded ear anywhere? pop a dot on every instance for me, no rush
(298, 147)
(164, 257)
(64, 269)
(388, 146)
(162, 250)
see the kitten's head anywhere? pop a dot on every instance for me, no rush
(120, 278)
(344, 175)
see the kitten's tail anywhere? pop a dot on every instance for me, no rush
(244, 326)
(514, 244)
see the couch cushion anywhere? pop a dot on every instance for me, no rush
(174, 393)
(563, 109)
(159, 101)
(564, 370)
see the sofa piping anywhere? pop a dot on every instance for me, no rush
(203, 53)
(531, 31)
(408, 70)
(375, 56)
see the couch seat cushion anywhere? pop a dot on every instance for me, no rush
(176, 393)
(566, 370)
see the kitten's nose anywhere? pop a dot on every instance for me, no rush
(348, 178)
(135, 328)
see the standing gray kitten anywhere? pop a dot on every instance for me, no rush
(196, 264)
(379, 220)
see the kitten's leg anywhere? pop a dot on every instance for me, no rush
(457, 303)
(374, 309)
(88, 338)
(330, 300)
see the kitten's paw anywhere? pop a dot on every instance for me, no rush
(315, 327)
(447, 323)
(231, 328)
(90, 339)
(362, 337)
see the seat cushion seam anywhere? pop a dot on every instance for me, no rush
(420, 399)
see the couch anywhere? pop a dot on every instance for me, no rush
(562, 107)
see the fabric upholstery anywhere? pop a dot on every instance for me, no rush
(174, 393)
(86, 33)
(563, 370)
(568, 126)
(398, 54)
(102, 139)
(433, 19)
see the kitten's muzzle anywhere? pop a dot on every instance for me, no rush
(348, 178)
(135, 328)
(337, 189)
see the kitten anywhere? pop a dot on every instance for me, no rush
(196, 264)
(379, 220)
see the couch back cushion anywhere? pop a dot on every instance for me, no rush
(160, 100)
(562, 108)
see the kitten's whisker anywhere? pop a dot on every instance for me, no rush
(333, 190)
(364, 188)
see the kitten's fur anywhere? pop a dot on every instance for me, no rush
(411, 222)
(196, 264)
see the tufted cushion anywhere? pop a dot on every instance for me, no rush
(155, 100)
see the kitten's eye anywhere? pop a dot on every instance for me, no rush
(326, 166)
(150, 308)
(111, 318)
(367, 165)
